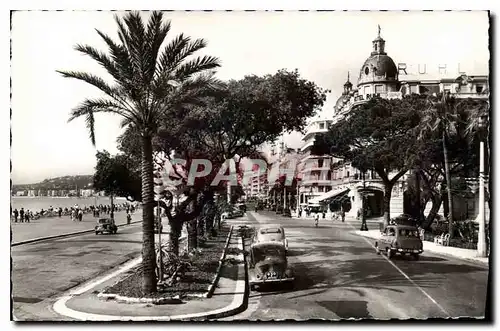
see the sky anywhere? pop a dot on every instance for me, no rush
(323, 46)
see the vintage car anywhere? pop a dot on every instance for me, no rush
(400, 239)
(268, 265)
(271, 233)
(232, 212)
(242, 207)
(106, 225)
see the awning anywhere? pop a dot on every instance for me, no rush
(328, 195)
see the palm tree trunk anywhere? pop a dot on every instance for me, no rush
(448, 185)
(148, 238)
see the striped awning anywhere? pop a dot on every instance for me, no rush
(328, 195)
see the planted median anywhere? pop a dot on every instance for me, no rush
(194, 280)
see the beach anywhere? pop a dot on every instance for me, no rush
(35, 204)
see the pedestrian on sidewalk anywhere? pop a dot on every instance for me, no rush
(16, 215)
(342, 214)
(80, 215)
(27, 216)
(21, 215)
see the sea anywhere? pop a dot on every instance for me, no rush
(38, 203)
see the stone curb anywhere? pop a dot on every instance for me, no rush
(175, 299)
(212, 286)
(30, 241)
(233, 308)
(426, 249)
(243, 305)
(124, 299)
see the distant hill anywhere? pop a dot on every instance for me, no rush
(59, 183)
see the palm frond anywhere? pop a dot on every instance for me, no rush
(188, 69)
(92, 80)
(125, 122)
(99, 105)
(156, 34)
(121, 58)
(171, 55)
(101, 58)
(90, 124)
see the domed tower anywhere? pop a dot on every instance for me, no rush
(379, 73)
(347, 85)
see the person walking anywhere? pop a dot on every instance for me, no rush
(16, 215)
(342, 214)
(59, 211)
(21, 215)
(80, 215)
(27, 216)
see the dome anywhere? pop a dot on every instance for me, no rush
(378, 68)
(340, 102)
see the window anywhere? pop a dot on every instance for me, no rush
(479, 88)
(320, 163)
(347, 175)
(379, 89)
(413, 89)
(270, 230)
(321, 126)
(367, 71)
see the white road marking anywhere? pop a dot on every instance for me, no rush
(408, 277)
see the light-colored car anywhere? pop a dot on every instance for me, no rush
(271, 233)
(268, 265)
(400, 239)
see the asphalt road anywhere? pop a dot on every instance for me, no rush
(42, 271)
(339, 276)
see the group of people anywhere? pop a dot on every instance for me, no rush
(76, 213)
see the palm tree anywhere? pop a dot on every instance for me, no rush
(441, 119)
(150, 84)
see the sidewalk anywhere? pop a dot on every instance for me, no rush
(228, 299)
(460, 253)
(53, 226)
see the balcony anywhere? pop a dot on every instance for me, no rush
(311, 181)
(470, 95)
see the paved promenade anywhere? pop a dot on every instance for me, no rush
(53, 226)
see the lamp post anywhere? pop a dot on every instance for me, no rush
(364, 227)
(481, 238)
(297, 200)
(284, 198)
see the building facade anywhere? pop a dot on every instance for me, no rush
(378, 76)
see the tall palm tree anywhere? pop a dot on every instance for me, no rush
(441, 119)
(150, 84)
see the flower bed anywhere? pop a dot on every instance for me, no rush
(196, 280)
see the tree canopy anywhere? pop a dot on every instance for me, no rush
(117, 175)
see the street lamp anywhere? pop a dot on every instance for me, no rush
(364, 227)
(481, 238)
